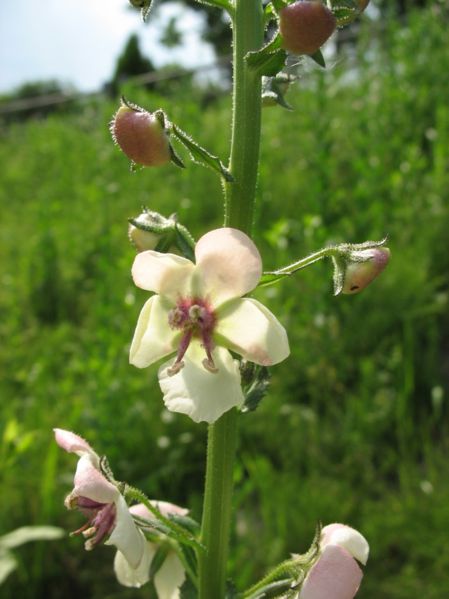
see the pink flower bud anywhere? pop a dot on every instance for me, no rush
(305, 26)
(335, 575)
(140, 136)
(364, 266)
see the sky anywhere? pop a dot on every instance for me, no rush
(78, 41)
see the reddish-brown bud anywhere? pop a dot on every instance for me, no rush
(140, 136)
(305, 26)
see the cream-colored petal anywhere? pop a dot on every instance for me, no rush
(90, 482)
(347, 537)
(164, 507)
(250, 329)
(153, 338)
(335, 575)
(170, 577)
(202, 395)
(134, 577)
(165, 274)
(128, 539)
(228, 265)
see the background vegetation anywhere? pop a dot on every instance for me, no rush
(355, 426)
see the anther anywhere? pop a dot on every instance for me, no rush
(209, 365)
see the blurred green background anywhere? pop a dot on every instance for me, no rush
(355, 426)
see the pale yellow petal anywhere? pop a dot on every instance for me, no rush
(202, 395)
(153, 338)
(250, 329)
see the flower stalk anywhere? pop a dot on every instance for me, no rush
(239, 211)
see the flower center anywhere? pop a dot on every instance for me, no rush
(195, 317)
(100, 523)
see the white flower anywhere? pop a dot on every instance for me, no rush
(170, 576)
(199, 314)
(101, 501)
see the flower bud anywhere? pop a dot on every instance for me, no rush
(305, 26)
(147, 230)
(140, 136)
(362, 267)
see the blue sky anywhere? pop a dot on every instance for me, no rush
(78, 41)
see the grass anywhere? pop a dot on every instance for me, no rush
(355, 426)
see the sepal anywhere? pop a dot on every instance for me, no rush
(255, 383)
(275, 88)
(269, 60)
(200, 155)
(151, 230)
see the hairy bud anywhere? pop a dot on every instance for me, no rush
(362, 267)
(305, 26)
(140, 136)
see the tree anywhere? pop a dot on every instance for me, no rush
(130, 64)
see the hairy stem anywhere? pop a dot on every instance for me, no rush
(239, 211)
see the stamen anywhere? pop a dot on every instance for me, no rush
(208, 345)
(183, 345)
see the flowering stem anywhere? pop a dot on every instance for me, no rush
(239, 211)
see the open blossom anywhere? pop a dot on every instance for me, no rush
(170, 576)
(336, 574)
(101, 502)
(199, 315)
(108, 517)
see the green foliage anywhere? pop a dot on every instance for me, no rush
(354, 427)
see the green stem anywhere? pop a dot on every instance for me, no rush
(247, 107)
(239, 212)
(217, 508)
(307, 261)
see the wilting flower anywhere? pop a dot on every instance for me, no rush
(101, 502)
(170, 576)
(110, 518)
(336, 574)
(199, 314)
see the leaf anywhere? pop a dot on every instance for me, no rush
(25, 534)
(175, 158)
(8, 564)
(318, 58)
(201, 155)
(184, 242)
(269, 60)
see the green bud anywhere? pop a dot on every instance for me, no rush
(147, 230)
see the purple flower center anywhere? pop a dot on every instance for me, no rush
(196, 318)
(100, 523)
